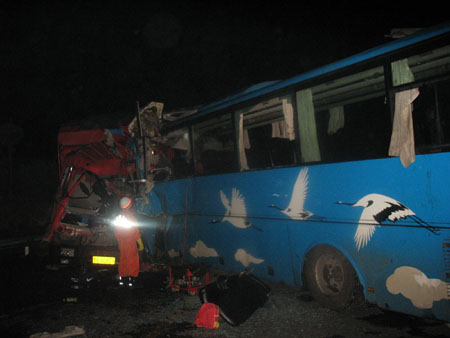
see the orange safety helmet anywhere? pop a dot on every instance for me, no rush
(125, 202)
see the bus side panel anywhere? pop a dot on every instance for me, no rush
(402, 264)
(267, 220)
(241, 241)
(166, 205)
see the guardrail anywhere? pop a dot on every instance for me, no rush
(21, 245)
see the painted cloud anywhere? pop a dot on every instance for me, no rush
(416, 286)
(201, 250)
(245, 258)
(172, 253)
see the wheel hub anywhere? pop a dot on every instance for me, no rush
(329, 275)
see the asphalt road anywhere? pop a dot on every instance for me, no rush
(32, 302)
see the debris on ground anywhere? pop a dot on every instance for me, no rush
(32, 301)
(186, 279)
(238, 296)
(208, 316)
(69, 331)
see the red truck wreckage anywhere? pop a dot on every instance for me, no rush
(91, 166)
(97, 166)
(84, 157)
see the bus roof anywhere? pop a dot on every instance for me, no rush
(271, 86)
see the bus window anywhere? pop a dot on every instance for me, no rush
(429, 73)
(421, 67)
(181, 161)
(214, 145)
(266, 134)
(351, 116)
(431, 118)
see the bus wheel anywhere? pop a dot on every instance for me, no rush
(330, 277)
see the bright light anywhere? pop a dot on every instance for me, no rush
(124, 222)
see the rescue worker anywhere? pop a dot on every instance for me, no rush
(127, 236)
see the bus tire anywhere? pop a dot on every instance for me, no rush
(330, 277)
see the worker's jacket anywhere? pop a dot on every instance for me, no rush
(129, 255)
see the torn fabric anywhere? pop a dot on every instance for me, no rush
(242, 156)
(402, 138)
(285, 128)
(336, 121)
(288, 112)
(401, 73)
(309, 143)
(279, 129)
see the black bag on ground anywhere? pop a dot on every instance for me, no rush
(237, 296)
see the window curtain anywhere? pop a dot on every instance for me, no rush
(402, 138)
(309, 144)
(401, 73)
(336, 121)
(243, 141)
(279, 129)
(285, 128)
(288, 112)
(246, 139)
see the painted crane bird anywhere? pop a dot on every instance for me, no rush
(236, 211)
(377, 209)
(295, 209)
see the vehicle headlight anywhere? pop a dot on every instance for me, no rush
(124, 222)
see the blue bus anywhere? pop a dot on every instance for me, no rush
(336, 180)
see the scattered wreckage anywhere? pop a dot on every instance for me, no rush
(97, 166)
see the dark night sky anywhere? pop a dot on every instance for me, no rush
(67, 60)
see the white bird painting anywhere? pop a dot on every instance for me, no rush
(236, 211)
(377, 209)
(295, 209)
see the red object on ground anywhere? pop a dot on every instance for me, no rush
(208, 316)
(191, 289)
(129, 255)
